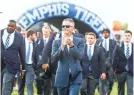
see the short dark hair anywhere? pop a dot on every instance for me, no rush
(12, 21)
(128, 31)
(18, 29)
(30, 32)
(107, 30)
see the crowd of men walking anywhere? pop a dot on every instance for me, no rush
(65, 63)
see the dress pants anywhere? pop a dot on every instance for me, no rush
(8, 81)
(89, 84)
(73, 90)
(28, 80)
(129, 84)
(121, 78)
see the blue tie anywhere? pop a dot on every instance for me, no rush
(7, 41)
(127, 56)
(28, 53)
(105, 45)
(127, 51)
(89, 53)
(44, 43)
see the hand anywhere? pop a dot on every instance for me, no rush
(70, 43)
(45, 66)
(64, 40)
(22, 73)
(103, 76)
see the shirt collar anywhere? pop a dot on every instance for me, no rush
(46, 38)
(105, 39)
(8, 33)
(90, 45)
(29, 41)
(127, 43)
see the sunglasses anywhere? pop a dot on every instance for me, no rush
(66, 26)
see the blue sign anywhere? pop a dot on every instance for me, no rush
(59, 9)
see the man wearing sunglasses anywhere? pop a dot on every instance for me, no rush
(68, 51)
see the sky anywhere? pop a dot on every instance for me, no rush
(107, 10)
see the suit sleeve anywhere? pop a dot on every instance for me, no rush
(22, 53)
(36, 57)
(46, 54)
(102, 61)
(77, 51)
(56, 52)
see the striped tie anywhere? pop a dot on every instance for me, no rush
(89, 53)
(7, 41)
(28, 53)
(127, 51)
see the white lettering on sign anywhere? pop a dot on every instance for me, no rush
(61, 9)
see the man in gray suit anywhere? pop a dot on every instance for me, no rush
(68, 51)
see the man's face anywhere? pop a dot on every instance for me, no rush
(11, 27)
(33, 36)
(67, 27)
(23, 33)
(105, 34)
(90, 39)
(46, 31)
(127, 37)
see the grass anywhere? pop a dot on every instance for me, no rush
(114, 91)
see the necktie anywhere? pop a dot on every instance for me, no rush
(44, 43)
(127, 51)
(28, 53)
(7, 41)
(105, 45)
(89, 53)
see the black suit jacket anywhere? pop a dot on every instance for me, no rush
(97, 62)
(13, 56)
(112, 45)
(120, 61)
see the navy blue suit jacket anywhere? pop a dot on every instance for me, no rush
(120, 60)
(40, 45)
(97, 62)
(67, 60)
(13, 56)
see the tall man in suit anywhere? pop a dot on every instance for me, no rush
(12, 55)
(44, 84)
(108, 46)
(68, 51)
(93, 65)
(123, 64)
(31, 58)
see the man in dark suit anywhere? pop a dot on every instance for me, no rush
(108, 46)
(44, 85)
(12, 55)
(31, 58)
(68, 51)
(92, 65)
(123, 64)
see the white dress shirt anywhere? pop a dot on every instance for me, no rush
(31, 50)
(103, 43)
(5, 35)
